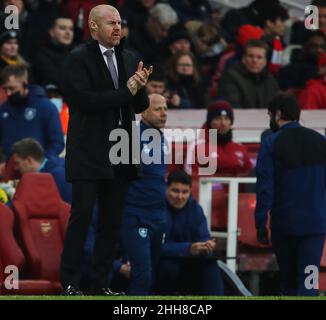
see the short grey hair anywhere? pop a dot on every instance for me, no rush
(164, 14)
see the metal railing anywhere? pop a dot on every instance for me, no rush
(205, 200)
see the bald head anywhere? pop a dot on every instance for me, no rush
(99, 12)
(104, 23)
(156, 114)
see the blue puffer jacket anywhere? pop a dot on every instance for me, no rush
(37, 118)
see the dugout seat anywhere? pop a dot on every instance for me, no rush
(11, 255)
(42, 222)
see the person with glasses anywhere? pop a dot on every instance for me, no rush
(184, 84)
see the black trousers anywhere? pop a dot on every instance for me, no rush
(110, 195)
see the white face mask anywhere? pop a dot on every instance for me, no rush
(58, 103)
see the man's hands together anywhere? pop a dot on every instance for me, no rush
(139, 79)
(203, 248)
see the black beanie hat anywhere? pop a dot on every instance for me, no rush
(7, 35)
(217, 109)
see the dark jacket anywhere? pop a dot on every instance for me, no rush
(56, 167)
(296, 74)
(184, 227)
(36, 118)
(49, 63)
(291, 181)
(146, 197)
(95, 108)
(245, 90)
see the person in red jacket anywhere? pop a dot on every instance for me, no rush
(313, 96)
(232, 158)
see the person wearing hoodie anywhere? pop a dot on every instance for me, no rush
(29, 156)
(233, 158)
(28, 113)
(187, 264)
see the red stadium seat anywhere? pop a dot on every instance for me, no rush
(252, 255)
(11, 254)
(246, 221)
(42, 218)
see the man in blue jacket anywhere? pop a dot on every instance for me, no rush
(28, 113)
(143, 221)
(188, 265)
(29, 157)
(291, 184)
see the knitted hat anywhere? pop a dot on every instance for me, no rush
(248, 32)
(8, 35)
(177, 32)
(219, 108)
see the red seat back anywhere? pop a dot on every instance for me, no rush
(246, 221)
(10, 253)
(43, 219)
(323, 258)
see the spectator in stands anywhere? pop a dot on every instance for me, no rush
(78, 11)
(184, 266)
(29, 157)
(178, 40)
(249, 84)
(34, 21)
(233, 158)
(28, 113)
(9, 52)
(208, 42)
(56, 97)
(137, 12)
(143, 220)
(156, 83)
(274, 24)
(299, 30)
(250, 14)
(9, 49)
(291, 186)
(304, 63)
(184, 84)
(150, 39)
(234, 53)
(49, 62)
(313, 96)
(192, 9)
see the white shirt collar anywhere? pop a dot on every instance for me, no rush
(103, 49)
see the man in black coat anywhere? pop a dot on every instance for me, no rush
(104, 90)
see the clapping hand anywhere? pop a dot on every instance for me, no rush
(139, 79)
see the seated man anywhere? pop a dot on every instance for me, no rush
(29, 157)
(187, 265)
(249, 84)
